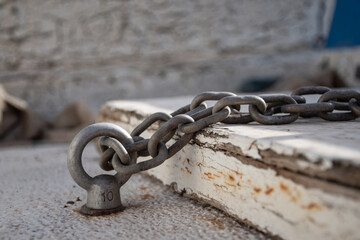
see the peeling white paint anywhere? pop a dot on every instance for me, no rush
(273, 203)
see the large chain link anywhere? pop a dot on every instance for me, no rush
(188, 120)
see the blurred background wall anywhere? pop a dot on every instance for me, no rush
(55, 52)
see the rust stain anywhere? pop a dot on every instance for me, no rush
(143, 188)
(215, 175)
(294, 194)
(146, 196)
(187, 169)
(257, 189)
(284, 187)
(249, 181)
(269, 190)
(209, 175)
(312, 206)
(231, 178)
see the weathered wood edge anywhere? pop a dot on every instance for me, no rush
(341, 172)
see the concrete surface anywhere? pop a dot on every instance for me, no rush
(51, 51)
(295, 181)
(39, 200)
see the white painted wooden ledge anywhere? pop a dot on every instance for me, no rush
(295, 181)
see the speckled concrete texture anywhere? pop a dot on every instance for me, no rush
(39, 200)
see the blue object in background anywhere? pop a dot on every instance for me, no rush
(345, 26)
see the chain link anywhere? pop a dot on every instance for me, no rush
(184, 123)
(339, 95)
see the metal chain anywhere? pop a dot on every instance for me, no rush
(265, 109)
(120, 150)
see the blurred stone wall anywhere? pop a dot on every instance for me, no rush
(55, 52)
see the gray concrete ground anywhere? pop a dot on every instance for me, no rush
(39, 200)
